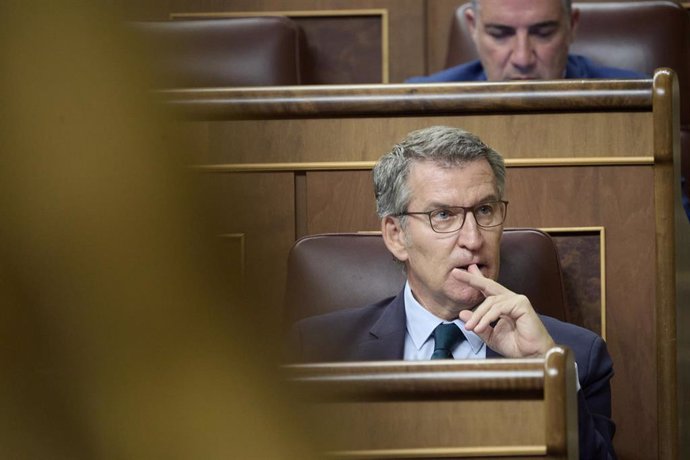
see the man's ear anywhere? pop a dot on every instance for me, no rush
(574, 21)
(394, 237)
(471, 19)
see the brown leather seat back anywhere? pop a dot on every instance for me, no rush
(222, 52)
(332, 271)
(641, 36)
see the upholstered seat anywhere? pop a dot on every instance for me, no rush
(222, 52)
(333, 271)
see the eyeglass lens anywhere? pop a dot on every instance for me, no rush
(451, 219)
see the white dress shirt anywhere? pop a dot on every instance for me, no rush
(419, 339)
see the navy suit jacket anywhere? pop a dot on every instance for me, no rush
(576, 67)
(377, 333)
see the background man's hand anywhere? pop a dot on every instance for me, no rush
(519, 332)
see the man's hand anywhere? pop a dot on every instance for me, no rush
(519, 332)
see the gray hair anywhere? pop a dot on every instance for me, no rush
(443, 145)
(567, 6)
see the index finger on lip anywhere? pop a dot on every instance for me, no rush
(477, 280)
(474, 280)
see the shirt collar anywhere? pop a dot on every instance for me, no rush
(421, 323)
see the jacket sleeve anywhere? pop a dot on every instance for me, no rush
(596, 428)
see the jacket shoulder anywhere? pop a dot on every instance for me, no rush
(469, 71)
(330, 336)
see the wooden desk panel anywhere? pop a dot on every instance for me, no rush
(255, 221)
(570, 135)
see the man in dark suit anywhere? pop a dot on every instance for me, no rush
(440, 197)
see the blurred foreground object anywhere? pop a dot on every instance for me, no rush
(117, 341)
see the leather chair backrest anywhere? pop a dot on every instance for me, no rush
(333, 271)
(259, 51)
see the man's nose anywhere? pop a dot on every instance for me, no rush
(523, 56)
(470, 235)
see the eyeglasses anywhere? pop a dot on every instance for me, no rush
(452, 218)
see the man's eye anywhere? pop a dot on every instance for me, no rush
(544, 32)
(443, 214)
(499, 33)
(485, 209)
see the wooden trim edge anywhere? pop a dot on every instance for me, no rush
(665, 110)
(288, 13)
(443, 452)
(364, 165)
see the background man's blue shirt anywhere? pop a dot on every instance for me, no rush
(576, 67)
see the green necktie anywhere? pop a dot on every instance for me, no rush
(446, 337)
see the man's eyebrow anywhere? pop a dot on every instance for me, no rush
(544, 25)
(439, 204)
(488, 198)
(539, 25)
(499, 27)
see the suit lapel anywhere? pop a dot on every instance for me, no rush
(386, 338)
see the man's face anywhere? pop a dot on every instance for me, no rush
(522, 39)
(433, 259)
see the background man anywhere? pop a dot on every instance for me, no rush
(523, 39)
(440, 197)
